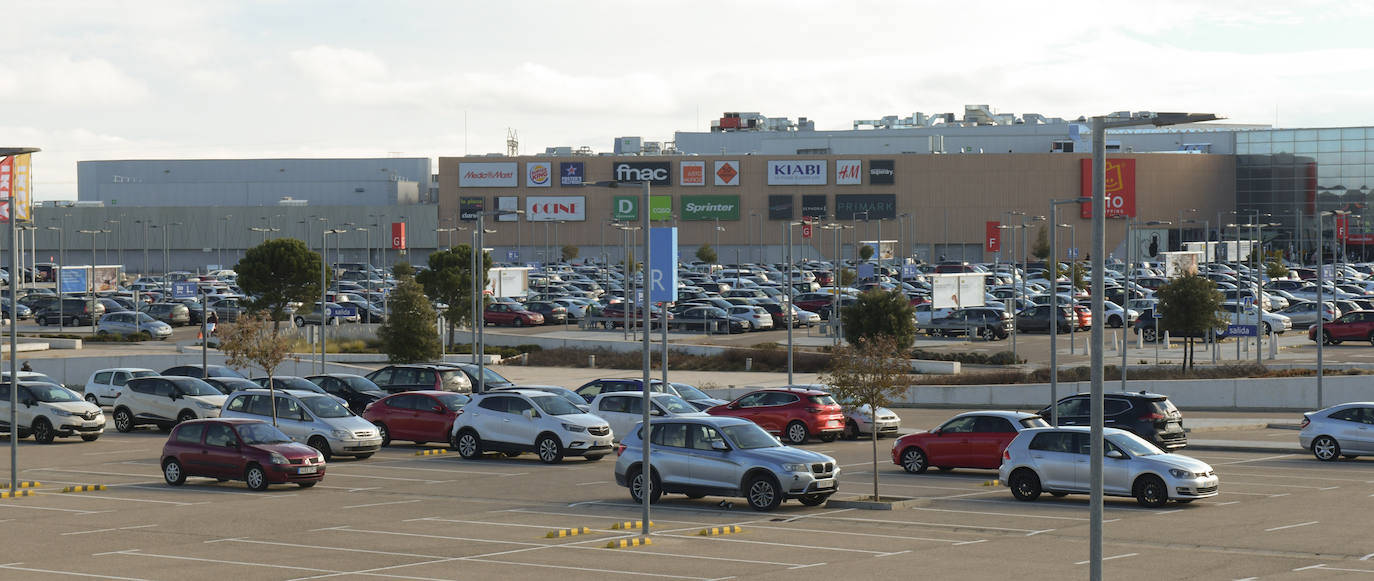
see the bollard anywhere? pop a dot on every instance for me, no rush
(524, 358)
(1139, 340)
(1166, 340)
(748, 363)
(1273, 346)
(591, 361)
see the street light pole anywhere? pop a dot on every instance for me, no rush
(1054, 306)
(14, 325)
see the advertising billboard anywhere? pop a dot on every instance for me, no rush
(882, 172)
(1119, 187)
(796, 172)
(398, 235)
(570, 173)
(1181, 263)
(780, 207)
(627, 208)
(487, 175)
(815, 206)
(956, 291)
(691, 173)
(877, 206)
(469, 207)
(555, 208)
(658, 173)
(710, 208)
(538, 174)
(727, 173)
(16, 179)
(662, 265)
(849, 172)
(511, 203)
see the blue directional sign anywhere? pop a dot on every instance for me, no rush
(344, 310)
(73, 280)
(1157, 314)
(183, 290)
(512, 255)
(1073, 253)
(866, 271)
(910, 271)
(663, 265)
(1240, 330)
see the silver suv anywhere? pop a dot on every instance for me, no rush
(724, 456)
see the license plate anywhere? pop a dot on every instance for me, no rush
(825, 483)
(308, 470)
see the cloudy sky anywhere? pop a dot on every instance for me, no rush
(172, 79)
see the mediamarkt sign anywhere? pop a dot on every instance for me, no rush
(797, 173)
(658, 173)
(554, 208)
(487, 175)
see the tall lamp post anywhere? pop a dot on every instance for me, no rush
(837, 322)
(790, 312)
(1181, 223)
(14, 325)
(478, 274)
(1321, 306)
(91, 276)
(1054, 305)
(1100, 124)
(166, 247)
(324, 287)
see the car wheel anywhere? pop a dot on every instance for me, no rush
(255, 477)
(914, 460)
(143, 336)
(319, 443)
(1371, 338)
(90, 397)
(42, 321)
(1150, 492)
(173, 473)
(796, 433)
(1115, 322)
(306, 484)
(637, 487)
(851, 430)
(467, 443)
(90, 437)
(1025, 485)
(123, 420)
(384, 433)
(186, 416)
(1148, 334)
(550, 451)
(42, 431)
(815, 499)
(828, 437)
(1326, 449)
(517, 322)
(300, 321)
(763, 493)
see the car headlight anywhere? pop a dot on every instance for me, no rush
(796, 468)
(574, 428)
(341, 434)
(63, 413)
(206, 406)
(278, 458)
(1180, 473)
(319, 457)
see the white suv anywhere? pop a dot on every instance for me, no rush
(50, 410)
(516, 421)
(316, 419)
(105, 384)
(165, 401)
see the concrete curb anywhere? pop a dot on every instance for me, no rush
(1243, 446)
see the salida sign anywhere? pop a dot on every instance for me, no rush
(658, 173)
(1119, 187)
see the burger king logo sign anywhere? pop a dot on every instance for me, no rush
(538, 174)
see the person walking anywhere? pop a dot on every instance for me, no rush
(211, 321)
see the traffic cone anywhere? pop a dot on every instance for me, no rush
(200, 336)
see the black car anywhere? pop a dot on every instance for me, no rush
(196, 371)
(983, 322)
(554, 314)
(228, 385)
(1148, 415)
(712, 319)
(419, 377)
(69, 312)
(1037, 319)
(357, 390)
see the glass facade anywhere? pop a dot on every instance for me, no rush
(1288, 176)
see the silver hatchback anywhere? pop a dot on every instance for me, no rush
(724, 456)
(1341, 430)
(1055, 460)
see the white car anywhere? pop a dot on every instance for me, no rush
(517, 421)
(859, 422)
(50, 411)
(757, 316)
(624, 409)
(165, 401)
(318, 420)
(104, 385)
(1268, 321)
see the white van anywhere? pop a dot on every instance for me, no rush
(49, 411)
(315, 419)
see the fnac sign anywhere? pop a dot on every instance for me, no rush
(1118, 185)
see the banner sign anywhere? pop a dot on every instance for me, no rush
(815, 206)
(626, 208)
(487, 175)
(796, 173)
(662, 265)
(1119, 186)
(727, 173)
(343, 310)
(570, 173)
(538, 174)
(555, 208)
(849, 172)
(74, 279)
(183, 290)
(511, 203)
(780, 207)
(1342, 227)
(658, 173)
(469, 207)
(710, 208)
(691, 173)
(398, 235)
(882, 172)
(16, 179)
(878, 206)
(992, 236)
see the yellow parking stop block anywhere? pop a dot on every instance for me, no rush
(560, 533)
(16, 493)
(627, 543)
(629, 524)
(992, 483)
(435, 452)
(22, 484)
(717, 531)
(85, 488)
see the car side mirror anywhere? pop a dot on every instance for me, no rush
(655, 412)
(720, 446)
(438, 409)
(30, 402)
(529, 414)
(174, 395)
(1117, 454)
(732, 406)
(778, 438)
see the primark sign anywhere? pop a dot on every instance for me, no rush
(658, 173)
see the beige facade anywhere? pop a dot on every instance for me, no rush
(946, 199)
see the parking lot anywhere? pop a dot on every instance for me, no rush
(405, 516)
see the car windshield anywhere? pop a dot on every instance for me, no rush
(144, 373)
(490, 376)
(689, 391)
(1134, 445)
(23, 377)
(749, 437)
(360, 383)
(52, 393)
(261, 434)
(822, 399)
(454, 380)
(295, 383)
(1035, 422)
(194, 386)
(674, 404)
(325, 407)
(145, 318)
(455, 401)
(555, 406)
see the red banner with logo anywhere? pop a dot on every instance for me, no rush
(1342, 227)
(992, 237)
(1119, 187)
(398, 235)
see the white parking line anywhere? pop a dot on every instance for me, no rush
(50, 508)
(104, 497)
(383, 503)
(999, 513)
(1290, 526)
(932, 524)
(833, 532)
(113, 452)
(450, 470)
(1110, 558)
(108, 530)
(1230, 483)
(336, 474)
(15, 567)
(790, 545)
(591, 483)
(1280, 456)
(142, 475)
(585, 515)
(140, 553)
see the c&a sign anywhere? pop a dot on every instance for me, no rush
(1119, 187)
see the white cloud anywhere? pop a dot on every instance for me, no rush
(63, 79)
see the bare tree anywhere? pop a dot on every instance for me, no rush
(253, 340)
(871, 372)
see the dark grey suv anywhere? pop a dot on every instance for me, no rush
(1148, 415)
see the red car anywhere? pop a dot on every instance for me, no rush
(417, 416)
(795, 414)
(511, 314)
(1085, 317)
(239, 449)
(968, 440)
(1352, 326)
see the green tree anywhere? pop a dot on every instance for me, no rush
(1190, 306)
(869, 373)
(408, 334)
(570, 252)
(278, 272)
(449, 280)
(880, 313)
(247, 342)
(402, 269)
(1041, 249)
(847, 276)
(1273, 264)
(865, 252)
(706, 254)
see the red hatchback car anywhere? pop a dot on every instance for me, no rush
(417, 416)
(239, 449)
(511, 314)
(968, 440)
(795, 414)
(1352, 326)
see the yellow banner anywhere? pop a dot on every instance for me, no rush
(22, 187)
